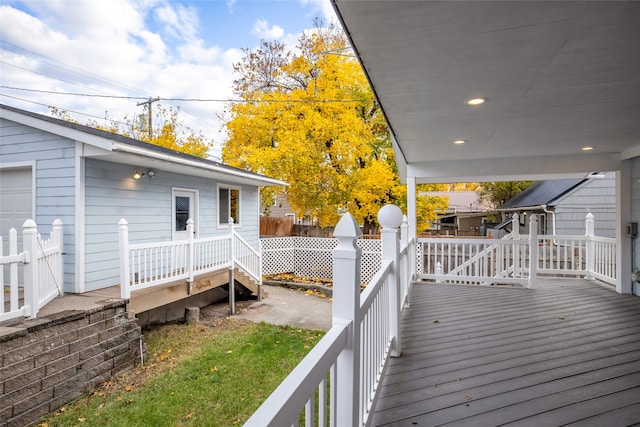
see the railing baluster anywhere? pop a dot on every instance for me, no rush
(309, 411)
(322, 403)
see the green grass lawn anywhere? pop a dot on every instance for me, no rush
(197, 375)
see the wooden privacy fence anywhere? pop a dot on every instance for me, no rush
(276, 226)
(39, 265)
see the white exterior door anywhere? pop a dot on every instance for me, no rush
(16, 206)
(15, 199)
(185, 206)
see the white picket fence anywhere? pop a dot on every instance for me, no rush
(145, 265)
(41, 262)
(518, 258)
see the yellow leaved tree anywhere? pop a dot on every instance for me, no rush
(167, 130)
(310, 118)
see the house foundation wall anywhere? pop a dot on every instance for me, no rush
(176, 311)
(48, 362)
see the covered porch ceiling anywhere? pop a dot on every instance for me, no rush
(557, 76)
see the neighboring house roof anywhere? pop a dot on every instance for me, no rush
(541, 193)
(122, 149)
(459, 201)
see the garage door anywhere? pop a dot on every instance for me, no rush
(15, 201)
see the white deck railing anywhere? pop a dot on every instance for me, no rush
(145, 265)
(342, 372)
(41, 261)
(247, 258)
(518, 258)
(337, 383)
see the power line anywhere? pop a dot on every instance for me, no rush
(64, 109)
(63, 66)
(54, 92)
(49, 77)
(231, 100)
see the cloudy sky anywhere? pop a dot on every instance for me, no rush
(136, 49)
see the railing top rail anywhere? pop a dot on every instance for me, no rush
(245, 243)
(302, 382)
(405, 248)
(560, 237)
(611, 240)
(465, 241)
(169, 243)
(155, 245)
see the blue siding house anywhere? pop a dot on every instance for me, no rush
(50, 168)
(562, 205)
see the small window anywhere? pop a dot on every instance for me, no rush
(182, 212)
(229, 205)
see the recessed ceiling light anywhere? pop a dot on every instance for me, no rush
(476, 101)
(587, 148)
(459, 141)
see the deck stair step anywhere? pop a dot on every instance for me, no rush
(249, 283)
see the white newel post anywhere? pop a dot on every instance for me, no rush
(408, 260)
(30, 248)
(13, 271)
(518, 262)
(533, 252)
(58, 238)
(590, 254)
(390, 218)
(260, 269)
(232, 259)
(346, 311)
(125, 286)
(191, 259)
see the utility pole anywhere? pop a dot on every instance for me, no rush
(148, 107)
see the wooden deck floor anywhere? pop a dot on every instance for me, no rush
(568, 352)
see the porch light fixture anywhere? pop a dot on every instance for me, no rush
(587, 148)
(138, 174)
(459, 141)
(476, 101)
(151, 173)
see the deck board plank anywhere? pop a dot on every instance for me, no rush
(585, 410)
(476, 355)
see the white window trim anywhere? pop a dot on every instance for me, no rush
(228, 187)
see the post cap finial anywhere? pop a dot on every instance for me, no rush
(390, 216)
(347, 228)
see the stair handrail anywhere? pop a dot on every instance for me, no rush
(256, 275)
(488, 249)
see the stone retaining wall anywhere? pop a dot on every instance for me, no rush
(46, 363)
